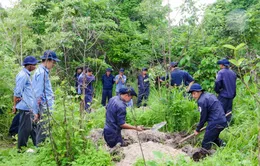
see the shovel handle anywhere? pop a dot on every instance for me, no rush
(202, 129)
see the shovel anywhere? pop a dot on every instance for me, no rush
(192, 135)
(156, 127)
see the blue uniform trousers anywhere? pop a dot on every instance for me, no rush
(227, 105)
(212, 135)
(106, 95)
(112, 138)
(142, 94)
(15, 125)
(26, 128)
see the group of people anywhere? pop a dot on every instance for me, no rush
(34, 99)
(84, 85)
(216, 111)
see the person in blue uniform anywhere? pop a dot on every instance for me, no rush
(178, 77)
(120, 80)
(212, 112)
(44, 94)
(225, 86)
(143, 87)
(116, 117)
(107, 82)
(76, 77)
(86, 80)
(24, 102)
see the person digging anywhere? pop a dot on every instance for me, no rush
(116, 117)
(211, 111)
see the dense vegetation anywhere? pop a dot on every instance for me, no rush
(132, 34)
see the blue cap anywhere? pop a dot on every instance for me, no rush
(195, 87)
(109, 69)
(122, 70)
(129, 90)
(174, 64)
(224, 62)
(50, 55)
(144, 69)
(30, 60)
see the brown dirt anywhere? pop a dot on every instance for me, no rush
(133, 153)
(152, 141)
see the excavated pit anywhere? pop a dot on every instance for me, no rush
(151, 142)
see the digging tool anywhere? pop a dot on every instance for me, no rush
(192, 135)
(156, 127)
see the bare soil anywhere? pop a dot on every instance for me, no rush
(151, 142)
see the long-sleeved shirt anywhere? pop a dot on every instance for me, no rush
(88, 83)
(108, 82)
(211, 110)
(115, 114)
(143, 82)
(225, 84)
(121, 82)
(42, 87)
(24, 90)
(179, 77)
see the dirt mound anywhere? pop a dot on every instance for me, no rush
(152, 141)
(133, 153)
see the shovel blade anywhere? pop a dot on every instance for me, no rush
(157, 126)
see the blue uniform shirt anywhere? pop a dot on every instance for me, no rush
(88, 83)
(120, 84)
(211, 110)
(108, 82)
(42, 87)
(225, 84)
(23, 89)
(115, 114)
(179, 77)
(143, 82)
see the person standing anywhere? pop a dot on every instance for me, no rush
(225, 86)
(76, 77)
(44, 94)
(211, 111)
(107, 82)
(179, 77)
(116, 117)
(120, 80)
(143, 87)
(86, 79)
(24, 102)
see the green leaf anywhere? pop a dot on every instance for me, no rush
(246, 79)
(234, 61)
(240, 61)
(229, 46)
(158, 154)
(241, 45)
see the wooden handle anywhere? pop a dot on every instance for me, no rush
(202, 129)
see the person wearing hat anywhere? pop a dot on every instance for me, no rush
(179, 77)
(225, 86)
(212, 112)
(24, 101)
(107, 82)
(86, 80)
(76, 77)
(44, 94)
(143, 87)
(120, 80)
(116, 117)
